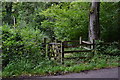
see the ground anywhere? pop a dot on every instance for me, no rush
(102, 73)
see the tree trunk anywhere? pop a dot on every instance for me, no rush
(94, 28)
(119, 20)
(9, 13)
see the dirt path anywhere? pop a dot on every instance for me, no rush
(102, 73)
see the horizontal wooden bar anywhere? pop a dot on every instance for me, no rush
(77, 51)
(77, 45)
(76, 57)
(86, 42)
(71, 46)
(54, 43)
(104, 44)
(71, 41)
(83, 44)
(87, 48)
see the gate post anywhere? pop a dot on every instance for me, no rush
(80, 41)
(93, 47)
(93, 44)
(62, 52)
(55, 49)
(48, 52)
(45, 46)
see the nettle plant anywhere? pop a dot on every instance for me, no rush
(20, 41)
(110, 49)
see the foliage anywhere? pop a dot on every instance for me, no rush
(26, 24)
(109, 49)
(20, 41)
(109, 21)
(47, 67)
(64, 20)
(24, 12)
(68, 19)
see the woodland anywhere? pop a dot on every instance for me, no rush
(26, 24)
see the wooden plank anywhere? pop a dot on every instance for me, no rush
(77, 57)
(80, 44)
(71, 46)
(93, 44)
(62, 52)
(54, 43)
(72, 41)
(45, 46)
(77, 45)
(87, 48)
(48, 52)
(93, 47)
(80, 39)
(86, 42)
(77, 51)
(104, 44)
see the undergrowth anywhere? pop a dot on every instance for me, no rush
(25, 66)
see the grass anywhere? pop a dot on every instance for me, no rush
(24, 67)
(0, 67)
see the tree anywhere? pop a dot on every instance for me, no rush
(69, 20)
(8, 9)
(109, 21)
(94, 29)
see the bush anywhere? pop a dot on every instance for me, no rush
(28, 65)
(69, 20)
(20, 41)
(111, 49)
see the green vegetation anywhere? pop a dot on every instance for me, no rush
(25, 25)
(23, 66)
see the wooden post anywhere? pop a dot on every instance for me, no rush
(45, 46)
(55, 49)
(44, 40)
(46, 49)
(56, 40)
(62, 52)
(80, 41)
(93, 47)
(93, 44)
(48, 53)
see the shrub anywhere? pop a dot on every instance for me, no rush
(20, 41)
(111, 49)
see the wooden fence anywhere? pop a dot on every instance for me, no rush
(57, 50)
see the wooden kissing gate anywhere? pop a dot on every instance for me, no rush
(57, 50)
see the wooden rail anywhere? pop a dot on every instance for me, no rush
(72, 41)
(54, 43)
(78, 45)
(81, 44)
(86, 42)
(77, 51)
(58, 47)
